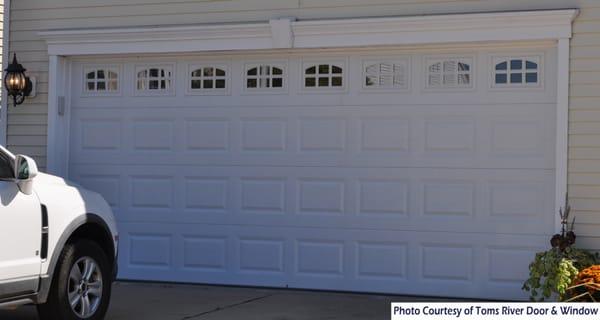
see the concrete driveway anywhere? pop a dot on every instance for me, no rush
(153, 301)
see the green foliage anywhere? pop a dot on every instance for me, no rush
(582, 258)
(553, 271)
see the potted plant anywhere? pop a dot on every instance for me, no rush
(552, 272)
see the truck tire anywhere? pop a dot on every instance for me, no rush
(81, 285)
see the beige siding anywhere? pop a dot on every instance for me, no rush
(584, 131)
(27, 124)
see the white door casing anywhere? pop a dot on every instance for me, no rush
(293, 238)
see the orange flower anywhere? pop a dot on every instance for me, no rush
(591, 277)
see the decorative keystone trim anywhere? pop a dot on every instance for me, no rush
(283, 35)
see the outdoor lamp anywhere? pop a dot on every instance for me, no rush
(17, 84)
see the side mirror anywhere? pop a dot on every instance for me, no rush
(25, 171)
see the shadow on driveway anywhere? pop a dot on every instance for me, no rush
(157, 301)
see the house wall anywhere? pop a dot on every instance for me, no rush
(26, 131)
(1, 34)
(1, 38)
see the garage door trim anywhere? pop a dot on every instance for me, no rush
(287, 33)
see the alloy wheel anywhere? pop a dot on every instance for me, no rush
(85, 287)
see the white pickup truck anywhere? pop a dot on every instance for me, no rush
(58, 243)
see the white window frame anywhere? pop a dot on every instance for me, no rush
(87, 68)
(283, 65)
(342, 63)
(469, 59)
(406, 61)
(213, 91)
(155, 92)
(536, 58)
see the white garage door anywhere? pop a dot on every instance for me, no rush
(399, 171)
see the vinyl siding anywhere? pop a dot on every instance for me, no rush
(1, 36)
(27, 123)
(584, 126)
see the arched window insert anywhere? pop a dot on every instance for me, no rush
(517, 71)
(208, 78)
(324, 76)
(101, 80)
(264, 77)
(449, 73)
(154, 79)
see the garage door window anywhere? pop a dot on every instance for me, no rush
(449, 73)
(208, 79)
(101, 80)
(154, 79)
(324, 75)
(519, 71)
(385, 75)
(265, 77)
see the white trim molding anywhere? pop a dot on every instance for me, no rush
(57, 148)
(287, 33)
(562, 126)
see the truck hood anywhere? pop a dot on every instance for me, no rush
(61, 195)
(44, 179)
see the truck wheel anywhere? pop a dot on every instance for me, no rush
(81, 284)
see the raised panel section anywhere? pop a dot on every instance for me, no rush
(509, 264)
(263, 195)
(382, 260)
(517, 137)
(383, 196)
(153, 135)
(517, 199)
(321, 196)
(322, 134)
(148, 250)
(382, 134)
(321, 258)
(206, 193)
(151, 192)
(207, 135)
(204, 253)
(100, 134)
(107, 185)
(447, 262)
(264, 135)
(261, 255)
(449, 198)
(453, 135)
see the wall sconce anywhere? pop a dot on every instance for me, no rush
(17, 84)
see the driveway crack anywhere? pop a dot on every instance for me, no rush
(229, 306)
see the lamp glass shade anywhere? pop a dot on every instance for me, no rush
(15, 82)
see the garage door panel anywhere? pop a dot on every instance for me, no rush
(354, 97)
(340, 137)
(409, 190)
(471, 265)
(298, 99)
(504, 201)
